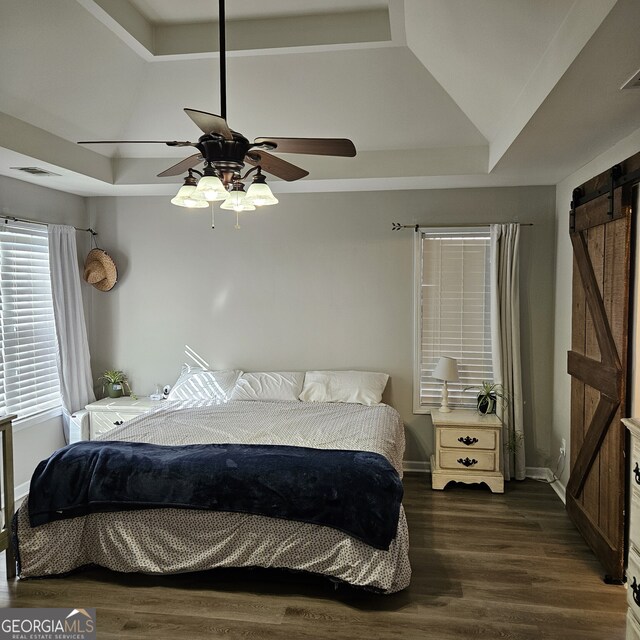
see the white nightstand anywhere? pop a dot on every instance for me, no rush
(109, 413)
(467, 449)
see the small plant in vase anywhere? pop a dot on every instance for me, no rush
(115, 383)
(489, 395)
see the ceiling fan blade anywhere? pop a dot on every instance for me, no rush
(182, 166)
(276, 166)
(170, 143)
(210, 123)
(312, 146)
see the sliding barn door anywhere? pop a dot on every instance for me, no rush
(600, 231)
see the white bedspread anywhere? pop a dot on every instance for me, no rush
(177, 540)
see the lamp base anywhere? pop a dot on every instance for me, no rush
(444, 404)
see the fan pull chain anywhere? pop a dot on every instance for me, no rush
(237, 219)
(213, 217)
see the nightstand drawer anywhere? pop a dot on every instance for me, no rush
(634, 519)
(109, 413)
(633, 582)
(634, 466)
(633, 627)
(472, 460)
(468, 438)
(103, 421)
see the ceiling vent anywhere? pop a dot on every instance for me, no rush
(36, 171)
(633, 82)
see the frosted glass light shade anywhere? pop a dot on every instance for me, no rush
(260, 195)
(446, 369)
(237, 201)
(184, 198)
(211, 189)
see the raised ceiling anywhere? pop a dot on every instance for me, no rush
(434, 93)
(190, 11)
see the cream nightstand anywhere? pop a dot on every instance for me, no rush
(109, 413)
(467, 449)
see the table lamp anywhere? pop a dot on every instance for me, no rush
(447, 371)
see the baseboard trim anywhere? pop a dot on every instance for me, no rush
(545, 474)
(416, 466)
(561, 490)
(536, 473)
(21, 492)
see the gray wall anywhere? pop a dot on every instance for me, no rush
(318, 281)
(23, 199)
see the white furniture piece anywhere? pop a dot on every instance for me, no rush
(109, 413)
(467, 449)
(633, 554)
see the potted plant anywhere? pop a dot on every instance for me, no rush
(489, 395)
(114, 383)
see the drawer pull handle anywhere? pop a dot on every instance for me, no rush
(636, 589)
(467, 462)
(636, 472)
(118, 422)
(468, 440)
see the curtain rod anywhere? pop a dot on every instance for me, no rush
(46, 224)
(396, 226)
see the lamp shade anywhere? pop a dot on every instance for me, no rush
(237, 201)
(446, 369)
(211, 189)
(259, 194)
(184, 198)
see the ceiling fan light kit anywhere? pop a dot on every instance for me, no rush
(259, 193)
(186, 194)
(225, 153)
(237, 200)
(210, 187)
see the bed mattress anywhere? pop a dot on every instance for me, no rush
(168, 541)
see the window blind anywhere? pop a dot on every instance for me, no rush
(28, 368)
(455, 312)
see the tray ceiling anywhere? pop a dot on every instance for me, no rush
(432, 92)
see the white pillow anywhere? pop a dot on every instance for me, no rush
(196, 383)
(362, 387)
(269, 385)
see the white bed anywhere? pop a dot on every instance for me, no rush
(178, 540)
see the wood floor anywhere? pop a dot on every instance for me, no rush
(485, 567)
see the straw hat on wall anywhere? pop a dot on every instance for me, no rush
(100, 270)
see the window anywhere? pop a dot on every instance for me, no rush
(28, 368)
(452, 304)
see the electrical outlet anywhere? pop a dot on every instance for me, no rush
(563, 447)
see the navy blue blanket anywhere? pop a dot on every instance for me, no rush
(354, 491)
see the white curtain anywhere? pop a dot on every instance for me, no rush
(74, 369)
(505, 340)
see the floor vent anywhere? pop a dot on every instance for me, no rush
(36, 171)
(633, 82)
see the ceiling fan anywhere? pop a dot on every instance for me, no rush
(225, 152)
